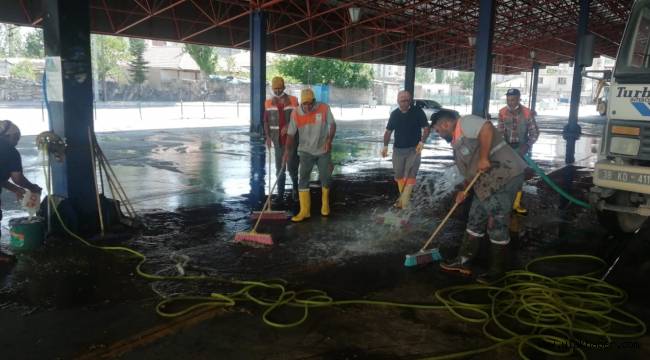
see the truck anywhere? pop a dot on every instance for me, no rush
(621, 178)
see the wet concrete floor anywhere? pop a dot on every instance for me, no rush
(194, 191)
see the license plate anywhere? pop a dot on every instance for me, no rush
(624, 176)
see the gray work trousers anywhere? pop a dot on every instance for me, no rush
(307, 162)
(493, 213)
(292, 165)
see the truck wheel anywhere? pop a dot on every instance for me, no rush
(617, 223)
(630, 223)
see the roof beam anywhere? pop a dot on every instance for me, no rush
(150, 15)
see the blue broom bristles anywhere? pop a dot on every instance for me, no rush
(422, 257)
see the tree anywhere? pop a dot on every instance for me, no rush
(34, 46)
(23, 70)
(422, 75)
(440, 76)
(465, 80)
(10, 40)
(309, 70)
(204, 56)
(137, 65)
(109, 52)
(230, 64)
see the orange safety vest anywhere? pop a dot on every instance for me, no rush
(317, 115)
(273, 116)
(510, 125)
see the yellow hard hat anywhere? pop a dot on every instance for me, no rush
(306, 95)
(277, 82)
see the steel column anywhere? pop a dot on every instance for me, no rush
(258, 91)
(482, 59)
(572, 130)
(66, 31)
(533, 91)
(258, 69)
(409, 72)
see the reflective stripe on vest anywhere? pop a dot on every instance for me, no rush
(273, 117)
(312, 117)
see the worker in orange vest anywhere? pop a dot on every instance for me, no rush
(277, 111)
(315, 124)
(519, 129)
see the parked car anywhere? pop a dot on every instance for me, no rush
(430, 107)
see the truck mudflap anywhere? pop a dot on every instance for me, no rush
(634, 179)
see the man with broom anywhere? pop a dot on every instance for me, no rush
(411, 131)
(479, 148)
(277, 111)
(314, 122)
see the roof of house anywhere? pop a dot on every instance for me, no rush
(169, 57)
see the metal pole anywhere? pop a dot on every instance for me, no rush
(483, 58)
(258, 69)
(572, 130)
(533, 95)
(409, 72)
(66, 33)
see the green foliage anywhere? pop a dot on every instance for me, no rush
(23, 70)
(309, 70)
(423, 76)
(440, 76)
(109, 52)
(465, 80)
(137, 65)
(34, 46)
(11, 41)
(204, 56)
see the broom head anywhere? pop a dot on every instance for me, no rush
(422, 257)
(270, 215)
(254, 237)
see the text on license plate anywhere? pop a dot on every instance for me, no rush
(624, 176)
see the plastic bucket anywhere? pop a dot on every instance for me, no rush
(27, 233)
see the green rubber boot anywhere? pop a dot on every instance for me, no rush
(497, 264)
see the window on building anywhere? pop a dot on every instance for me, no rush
(561, 81)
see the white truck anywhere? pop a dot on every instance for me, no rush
(621, 194)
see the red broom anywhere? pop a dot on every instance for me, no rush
(253, 236)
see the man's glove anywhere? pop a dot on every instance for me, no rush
(384, 151)
(419, 147)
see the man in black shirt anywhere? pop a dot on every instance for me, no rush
(11, 167)
(411, 131)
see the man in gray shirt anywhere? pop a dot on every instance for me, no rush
(314, 123)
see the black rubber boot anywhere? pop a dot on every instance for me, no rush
(281, 183)
(294, 189)
(467, 252)
(497, 265)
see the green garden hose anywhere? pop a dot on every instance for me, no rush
(553, 185)
(557, 316)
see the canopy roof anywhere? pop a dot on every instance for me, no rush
(324, 29)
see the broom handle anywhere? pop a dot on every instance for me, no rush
(467, 189)
(268, 200)
(269, 150)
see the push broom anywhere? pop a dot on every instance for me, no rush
(253, 236)
(270, 215)
(425, 256)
